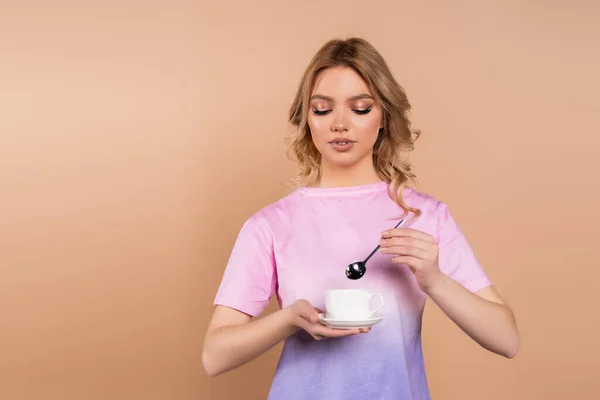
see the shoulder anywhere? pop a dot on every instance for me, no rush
(436, 217)
(428, 204)
(266, 217)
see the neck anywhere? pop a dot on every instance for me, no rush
(332, 176)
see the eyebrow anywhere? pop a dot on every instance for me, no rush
(327, 98)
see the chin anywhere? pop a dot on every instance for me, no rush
(344, 164)
(342, 160)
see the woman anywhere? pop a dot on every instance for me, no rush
(352, 133)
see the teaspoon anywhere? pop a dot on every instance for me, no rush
(357, 269)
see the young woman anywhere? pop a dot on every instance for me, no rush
(352, 136)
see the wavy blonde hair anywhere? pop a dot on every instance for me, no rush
(395, 138)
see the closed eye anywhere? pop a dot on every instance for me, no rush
(363, 112)
(359, 112)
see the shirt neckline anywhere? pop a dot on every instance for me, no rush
(344, 190)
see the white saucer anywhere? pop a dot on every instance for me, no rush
(346, 324)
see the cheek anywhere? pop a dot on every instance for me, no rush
(318, 126)
(368, 127)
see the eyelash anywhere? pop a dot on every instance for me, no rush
(359, 112)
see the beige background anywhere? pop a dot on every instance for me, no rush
(136, 137)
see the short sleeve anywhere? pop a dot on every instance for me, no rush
(456, 258)
(249, 280)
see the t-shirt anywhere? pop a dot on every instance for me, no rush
(299, 246)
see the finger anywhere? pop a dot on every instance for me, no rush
(405, 241)
(309, 317)
(406, 251)
(407, 232)
(335, 333)
(310, 314)
(413, 263)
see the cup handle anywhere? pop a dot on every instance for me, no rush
(380, 299)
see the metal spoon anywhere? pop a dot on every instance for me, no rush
(357, 269)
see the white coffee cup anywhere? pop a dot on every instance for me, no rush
(350, 304)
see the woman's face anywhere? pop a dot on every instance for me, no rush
(344, 119)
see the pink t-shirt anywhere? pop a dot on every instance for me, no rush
(299, 246)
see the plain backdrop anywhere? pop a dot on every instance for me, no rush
(136, 137)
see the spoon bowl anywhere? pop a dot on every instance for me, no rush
(356, 270)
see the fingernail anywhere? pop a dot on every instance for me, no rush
(384, 233)
(384, 249)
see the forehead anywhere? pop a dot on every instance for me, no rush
(340, 83)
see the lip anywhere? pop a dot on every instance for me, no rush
(342, 139)
(342, 145)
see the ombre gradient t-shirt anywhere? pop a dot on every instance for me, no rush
(299, 246)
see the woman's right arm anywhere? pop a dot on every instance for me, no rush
(232, 339)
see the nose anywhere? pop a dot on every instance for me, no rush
(339, 128)
(339, 124)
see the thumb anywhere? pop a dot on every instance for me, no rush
(311, 315)
(314, 315)
(317, 312)
(306, 311)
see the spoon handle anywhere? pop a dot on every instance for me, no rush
(377, 248)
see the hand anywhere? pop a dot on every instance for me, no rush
(416, 249)
(306, 317)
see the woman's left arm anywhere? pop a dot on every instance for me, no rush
(483, 315)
